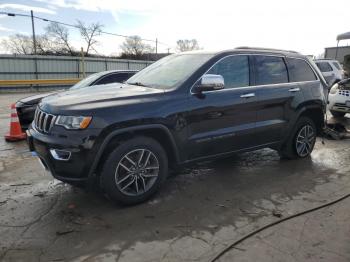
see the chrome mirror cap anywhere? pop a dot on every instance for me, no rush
(210, 82)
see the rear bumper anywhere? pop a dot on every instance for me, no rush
(74, 169)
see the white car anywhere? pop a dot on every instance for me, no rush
(339, 98)
(331, 70)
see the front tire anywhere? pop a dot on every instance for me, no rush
(301, 142)
(337, 114)
(134, 171)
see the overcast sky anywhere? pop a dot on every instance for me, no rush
(307, 26)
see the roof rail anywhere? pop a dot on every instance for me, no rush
(267, 49)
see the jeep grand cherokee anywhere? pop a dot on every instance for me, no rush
(184, 108)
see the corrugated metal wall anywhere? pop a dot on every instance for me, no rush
(19, 67)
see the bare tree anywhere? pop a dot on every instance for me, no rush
(133, 46)
(57, 36)
(23, 44)
(89, 34)
(18, 44)
(187, 45)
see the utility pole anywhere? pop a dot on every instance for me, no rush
(33, 29)
(156, 46)
(82, 62)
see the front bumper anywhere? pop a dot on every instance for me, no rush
(81, 154)
(340, 101)
(25, 114)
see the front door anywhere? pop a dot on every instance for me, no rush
(223, 120)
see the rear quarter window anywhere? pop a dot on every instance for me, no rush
(299, 70)
(337, 66)
(324, 66)
(119, 77)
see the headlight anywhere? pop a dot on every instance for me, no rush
(334, 89)
(74, 122)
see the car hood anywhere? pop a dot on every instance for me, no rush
(33, 100)
(97, 96)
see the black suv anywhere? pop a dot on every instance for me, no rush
(186, 107)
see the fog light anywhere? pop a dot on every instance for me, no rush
(60, 154)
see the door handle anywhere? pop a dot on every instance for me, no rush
(296, 89)
(248, 95)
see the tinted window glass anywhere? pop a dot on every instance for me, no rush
(270, 70)
(337, 66)
(131, 74)
(234, 70)
(324, 66)
(299, 70)
(87, 81)
(113, 78)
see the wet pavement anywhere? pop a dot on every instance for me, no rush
(197, 213)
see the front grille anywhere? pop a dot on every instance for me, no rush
(344, 92)
(43, 121)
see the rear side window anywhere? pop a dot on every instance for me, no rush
(270, 70)
(300, 71)
(234, 70)
(324, 66)
(337, 66)
(113, 78)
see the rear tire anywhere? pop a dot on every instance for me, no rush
(337, 114)
(301, 141)
(134, 171)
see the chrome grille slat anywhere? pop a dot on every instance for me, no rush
(35, 117)
(43, 121)
(52, 122)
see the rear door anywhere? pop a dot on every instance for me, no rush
(277, 98)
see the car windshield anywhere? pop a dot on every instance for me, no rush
(87, 81)
(170, 71)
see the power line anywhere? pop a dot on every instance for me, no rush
(77, 27)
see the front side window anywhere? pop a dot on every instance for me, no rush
(234, 70)
(299, 70)
(324, 66)
(270, 70)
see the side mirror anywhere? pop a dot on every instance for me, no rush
(210, 82)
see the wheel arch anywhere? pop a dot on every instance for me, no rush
(315, 113)
(158, 132)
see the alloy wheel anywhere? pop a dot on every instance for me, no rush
(136, 172)
(305, 140)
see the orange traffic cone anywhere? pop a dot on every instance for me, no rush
(15, 133)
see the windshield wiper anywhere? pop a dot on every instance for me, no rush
(137, 84)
